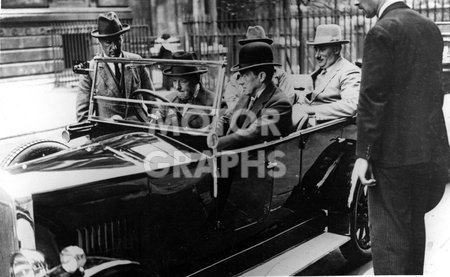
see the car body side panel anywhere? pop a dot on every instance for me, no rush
(8, 241)
(327, 155)
(287, 157)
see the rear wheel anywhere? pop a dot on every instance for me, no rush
(358, 249)
(32, 150)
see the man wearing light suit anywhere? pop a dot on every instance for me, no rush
(113, 79)
(335, 83)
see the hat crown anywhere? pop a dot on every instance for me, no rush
(181, 70)
(255, 32)
(109, 25)
(328, 34)
(255, 53)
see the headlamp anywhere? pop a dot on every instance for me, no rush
(72, 258)
(28, 263)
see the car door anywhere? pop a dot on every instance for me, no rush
(250, 189)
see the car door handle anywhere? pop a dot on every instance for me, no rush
(271, 165)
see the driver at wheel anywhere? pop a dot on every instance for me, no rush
(113, 79)
(188, 90)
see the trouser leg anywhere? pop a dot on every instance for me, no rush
(397, 205)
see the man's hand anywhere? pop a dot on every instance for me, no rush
(212, 140)
(360, 171)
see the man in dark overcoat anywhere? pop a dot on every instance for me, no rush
(402, 145)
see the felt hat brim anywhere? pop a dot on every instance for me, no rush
(239, 67)
(168, 72)
(313, 43)
(245, 41)
(125, 28)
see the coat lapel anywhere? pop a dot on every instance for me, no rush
(127, 68)
(105, 74)
(241, 109)
(259, 105)
(326, 80)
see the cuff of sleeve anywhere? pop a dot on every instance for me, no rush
(364, 151)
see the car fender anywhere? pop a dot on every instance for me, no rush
(117, 268)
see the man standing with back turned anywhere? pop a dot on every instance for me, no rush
(402, 144)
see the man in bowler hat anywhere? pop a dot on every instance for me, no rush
(402, 145)
(263, 111)
(281, 79)
(114, 79)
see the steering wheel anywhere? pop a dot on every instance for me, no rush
(144, 113)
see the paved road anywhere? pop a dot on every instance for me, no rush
(30, 109)
(437, 255)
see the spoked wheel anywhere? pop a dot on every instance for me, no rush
(358, 249)
(33, 150)
(145, 113)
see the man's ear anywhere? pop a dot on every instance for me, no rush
(262, 76)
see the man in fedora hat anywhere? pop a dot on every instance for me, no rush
(189, 90)
(335, 83)
(281, 79)
(263, 111)
(114, 79)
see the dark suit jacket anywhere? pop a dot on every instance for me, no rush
(400, 119)
(269, 118)
(134, 77)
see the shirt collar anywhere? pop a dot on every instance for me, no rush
(259, 92)
(330, 68)
(105, 56)
(386, 5)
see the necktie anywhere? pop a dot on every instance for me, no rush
(252, 101)
(118, 75)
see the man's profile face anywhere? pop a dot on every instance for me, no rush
(249, 81)
(369, 7)
(326, 55)
(111, 46)
(185, 86)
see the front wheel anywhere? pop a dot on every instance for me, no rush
(33, 150)
(358, 249)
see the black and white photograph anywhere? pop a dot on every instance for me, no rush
(169, 138)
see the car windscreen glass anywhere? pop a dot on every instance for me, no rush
(183, 96)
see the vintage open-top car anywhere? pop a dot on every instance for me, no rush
(143, 196)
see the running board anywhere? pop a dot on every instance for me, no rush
(299, 257)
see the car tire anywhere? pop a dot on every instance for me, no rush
(358, 249)
(32, 150)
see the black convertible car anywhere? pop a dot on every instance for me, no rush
(142, 196)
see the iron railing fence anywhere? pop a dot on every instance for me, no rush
(290, 36)
(219, 39)
(72, 42)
